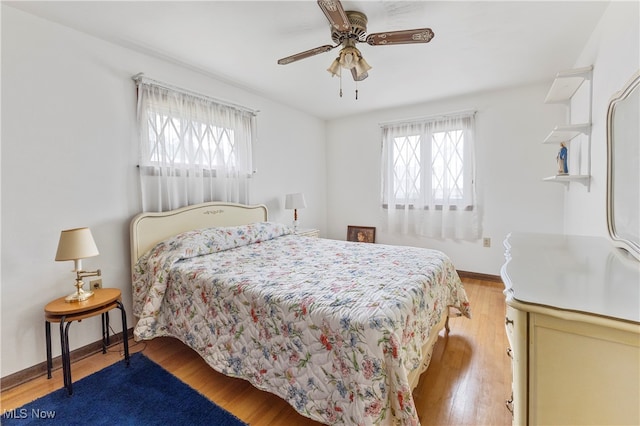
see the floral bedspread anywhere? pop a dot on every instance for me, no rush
(332, 327)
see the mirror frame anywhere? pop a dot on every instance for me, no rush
(633, 247)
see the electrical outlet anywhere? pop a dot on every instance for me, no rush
(94, 284)
(486, 242)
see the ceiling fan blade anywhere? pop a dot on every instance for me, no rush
(305, 54)
(334, 12)
(420, 35)
(355, 75)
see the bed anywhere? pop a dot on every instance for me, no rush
(340, 330)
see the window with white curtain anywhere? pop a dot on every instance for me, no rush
(192, 148)
(428, 177)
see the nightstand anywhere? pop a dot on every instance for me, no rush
(103, 300)
(308, 232)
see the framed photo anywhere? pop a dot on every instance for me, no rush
(361, 234)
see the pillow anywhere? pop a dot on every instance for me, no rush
(212, 240)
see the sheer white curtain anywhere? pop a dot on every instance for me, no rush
(192, 148)
(428, 182)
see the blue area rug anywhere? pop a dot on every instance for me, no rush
(142, 394)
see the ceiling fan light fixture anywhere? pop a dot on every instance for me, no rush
(349, 56)
(361, 67)
(334, 68)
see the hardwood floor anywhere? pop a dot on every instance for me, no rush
(467, 383)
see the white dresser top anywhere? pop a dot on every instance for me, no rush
(573, 273)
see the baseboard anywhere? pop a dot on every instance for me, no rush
(481, 277)
(40, 369)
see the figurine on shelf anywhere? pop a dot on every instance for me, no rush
(562, 160)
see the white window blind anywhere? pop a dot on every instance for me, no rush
(428, 177)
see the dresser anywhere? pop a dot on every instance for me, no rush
(573, 324)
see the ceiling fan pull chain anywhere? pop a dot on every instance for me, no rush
(340, 82)
(356, 90)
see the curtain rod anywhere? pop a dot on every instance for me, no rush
(428, 117)
(140, 78)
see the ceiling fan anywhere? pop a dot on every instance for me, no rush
(349, 28)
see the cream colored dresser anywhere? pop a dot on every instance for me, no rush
(573, 323)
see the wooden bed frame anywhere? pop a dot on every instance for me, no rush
(148, 229)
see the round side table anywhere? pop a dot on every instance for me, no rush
(103, 300)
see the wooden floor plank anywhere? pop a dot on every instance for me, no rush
(467, 382)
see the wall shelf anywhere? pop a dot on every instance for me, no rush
(583, 179)
(564, 133)
(566, 84)
(563, 89)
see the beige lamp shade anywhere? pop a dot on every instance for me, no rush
(76, 244)
(295, 201)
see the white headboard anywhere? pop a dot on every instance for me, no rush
(148, 229)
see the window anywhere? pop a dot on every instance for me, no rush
(428, 165)
(192, 148)
(183, 143)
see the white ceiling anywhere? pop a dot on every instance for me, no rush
(478, 46)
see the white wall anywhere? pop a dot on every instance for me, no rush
(614, 52)
(69, 160)
(510, 164)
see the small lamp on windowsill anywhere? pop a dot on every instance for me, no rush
(77, 244)
(295, 202)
